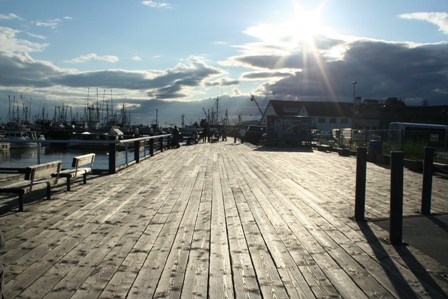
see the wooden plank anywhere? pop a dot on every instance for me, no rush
(220, 280)
(230, 220)
(244, 276)
(197, 269)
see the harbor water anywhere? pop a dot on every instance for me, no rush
(21, 158)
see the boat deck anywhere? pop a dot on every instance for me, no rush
(221, 220)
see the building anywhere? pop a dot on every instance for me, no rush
(378, 114)
(324, 116)
(369, 114)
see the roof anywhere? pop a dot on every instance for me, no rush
(115, 132)
(323, 109)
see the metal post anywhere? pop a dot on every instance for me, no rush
(396, 198)
(353, 113)
(428, 169)
(360, 194)
(151, 147)
(38, 153)
(137, 151)
(112, 158)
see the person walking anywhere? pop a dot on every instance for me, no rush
(242, 134)
(176, 137)
(224, 134)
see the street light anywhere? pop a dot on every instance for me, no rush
(157, 115)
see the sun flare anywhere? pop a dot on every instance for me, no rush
(303, 26)
(300, 29)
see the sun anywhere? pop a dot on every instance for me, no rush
(300, 29)
(303, 27)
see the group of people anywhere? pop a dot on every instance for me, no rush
(206, 135)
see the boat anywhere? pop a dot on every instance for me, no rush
(22, 139)
(5, 146)
(93, 139)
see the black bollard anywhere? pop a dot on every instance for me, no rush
(112, 157)
(161, 144)
(428, 169)
(360, 193)
(396, 198)
(151, 147)
(137, 151)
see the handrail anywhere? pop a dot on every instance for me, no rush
(163, 139)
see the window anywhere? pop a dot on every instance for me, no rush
(344, 121)
(332, 120)
(321, 120)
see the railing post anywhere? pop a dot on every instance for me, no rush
(137, 151)
(151, 147)
(38, 153)
(396, 198)
(112, 157)
(161, 144)
(360, 194)
(428, 169)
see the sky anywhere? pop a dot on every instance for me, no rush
(175, 61)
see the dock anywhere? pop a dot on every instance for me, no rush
(226, 220)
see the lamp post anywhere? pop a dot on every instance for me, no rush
(157, 115)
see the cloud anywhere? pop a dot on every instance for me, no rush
(21, 70)
(136, 58)
(10, 16)
(93, 56)
(155, 4)
(53, 23)
(223, 82)
(439, 19)
(10, 43)
(266, 75)
(174, 82)
(36, 35)
(324, 69)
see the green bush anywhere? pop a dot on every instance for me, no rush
(411, 150)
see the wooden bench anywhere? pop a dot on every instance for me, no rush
(80, 167)
(47, 173)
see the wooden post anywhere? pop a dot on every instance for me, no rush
(428, 169)
(360, 194)
(396, 198)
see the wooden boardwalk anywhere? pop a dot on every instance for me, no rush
(221, 220)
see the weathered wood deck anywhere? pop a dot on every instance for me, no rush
(221, 220)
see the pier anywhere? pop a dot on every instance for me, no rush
(227, 220)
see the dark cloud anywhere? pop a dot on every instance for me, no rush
(382, 69)
(22, 70)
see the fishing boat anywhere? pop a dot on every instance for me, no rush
(93, 139)
(22, 139)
